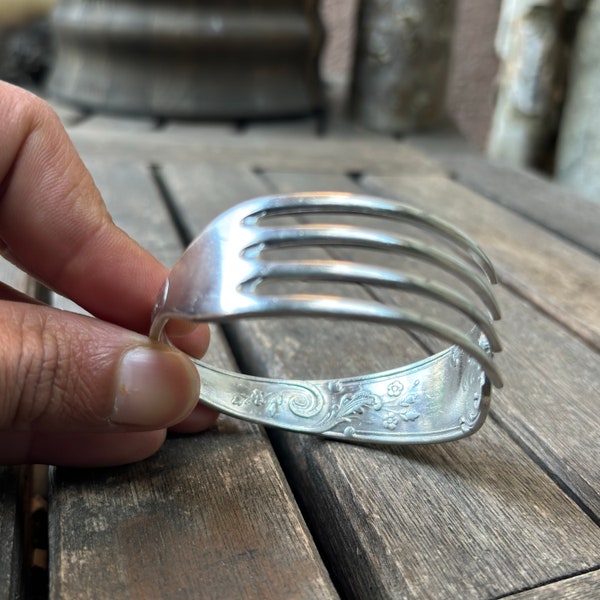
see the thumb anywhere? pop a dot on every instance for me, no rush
(65, 372)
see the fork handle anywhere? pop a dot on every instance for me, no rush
(441, 398)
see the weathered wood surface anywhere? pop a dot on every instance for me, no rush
(513, 511)
(580, 587)
(528, 259)
(11, 547)
(563, 212)
(98, 122)
(472, 519)
(12, 521)
(209, 516)
(263, 152)
(549, 374)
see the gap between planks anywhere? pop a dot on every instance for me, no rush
(218, 500)
(315, 462)
(567, 458)
(26, 545)
(579, 586)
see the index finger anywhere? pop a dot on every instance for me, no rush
(53, 222)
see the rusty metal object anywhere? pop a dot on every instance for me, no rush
(186, 58)
(401, 63)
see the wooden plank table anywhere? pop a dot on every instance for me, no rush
(14, 510)
(240, 512)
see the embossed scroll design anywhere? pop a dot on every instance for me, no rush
(360, 406)
(388, 411)
(301, 402)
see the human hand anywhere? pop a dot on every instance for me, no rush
(76, 390)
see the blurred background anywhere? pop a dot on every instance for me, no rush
(520, 80)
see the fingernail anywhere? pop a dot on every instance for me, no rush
(156, 387)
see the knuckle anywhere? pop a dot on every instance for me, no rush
(35, 380)
(26, 110)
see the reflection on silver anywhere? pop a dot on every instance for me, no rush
(445, 396)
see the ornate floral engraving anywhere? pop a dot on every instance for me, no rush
(385, 411)
(299, 402)
(303, 404)
(260, 402)
(394, 405)
(359, 401)
(390, 420)
(395, 388)
(469, 420)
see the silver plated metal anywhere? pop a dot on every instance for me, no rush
(445, 396)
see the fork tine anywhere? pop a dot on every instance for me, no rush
(217, 280)
(265, 238)
(340, 307)
(345, 203)
(365, 274)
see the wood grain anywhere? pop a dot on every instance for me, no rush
(210, 515)
(12, 513)
(254, 151)
(554, 275)
(549, 402)
(557, 208)
(11, 547)
(471, 519)
(552, 379)
(581, 587)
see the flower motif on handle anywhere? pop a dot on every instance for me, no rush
(257, 398)
(300, 404)
(390, 420)
(365, 406)
(395, 389)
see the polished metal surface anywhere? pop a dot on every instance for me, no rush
(443, 397)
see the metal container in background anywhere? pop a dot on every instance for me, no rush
(188, 58)
(401, 63)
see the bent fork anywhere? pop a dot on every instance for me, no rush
(442, 397)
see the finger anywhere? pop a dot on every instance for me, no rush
(200, 419)
(78, 449)
(66, 372)
(54, 224)
(191, 339)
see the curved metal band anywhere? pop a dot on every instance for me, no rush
(443, 397)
